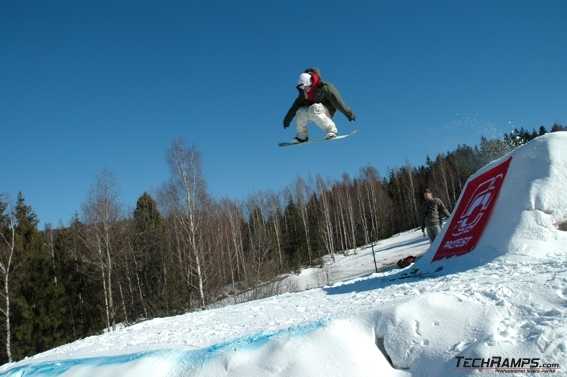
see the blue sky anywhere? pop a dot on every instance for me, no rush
(86, 86)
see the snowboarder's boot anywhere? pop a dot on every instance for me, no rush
(330, 135)
(298, 140)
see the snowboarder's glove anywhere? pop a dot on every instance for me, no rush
(423, 229)
(286, 122)
(350, 115)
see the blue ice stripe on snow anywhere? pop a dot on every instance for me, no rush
(56, 368)
(187, 359)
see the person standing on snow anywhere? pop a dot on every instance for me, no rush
(433, 211)
(317, 102)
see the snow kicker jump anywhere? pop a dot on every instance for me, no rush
(506, 207)
(472, 214)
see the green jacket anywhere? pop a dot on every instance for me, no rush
(433, 211)
(326, 94)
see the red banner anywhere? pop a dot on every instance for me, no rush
(472, 214)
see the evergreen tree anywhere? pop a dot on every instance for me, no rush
(3, 214)
(146, 215)
(294, 246)
(38, 304)
(83, 298)
(26, 222)
(147, 255)
(39, 307)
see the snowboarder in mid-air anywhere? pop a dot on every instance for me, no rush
(317, 102)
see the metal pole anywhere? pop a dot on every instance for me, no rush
(374, 256)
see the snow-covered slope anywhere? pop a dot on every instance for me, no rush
(353, 264)
(507, 298)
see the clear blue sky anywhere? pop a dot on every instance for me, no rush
(92, 85)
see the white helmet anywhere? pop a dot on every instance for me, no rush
(304, 80)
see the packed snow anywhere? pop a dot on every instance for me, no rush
(348, 265)
(506, 298)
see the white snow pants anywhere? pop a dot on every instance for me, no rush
(316, 113)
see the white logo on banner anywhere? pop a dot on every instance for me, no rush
(477, 206)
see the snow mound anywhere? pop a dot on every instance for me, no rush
(531, 205)
(343, 347)
(504, 300)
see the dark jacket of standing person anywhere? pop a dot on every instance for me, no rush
(433, 211)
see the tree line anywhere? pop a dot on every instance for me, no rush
(181, 250)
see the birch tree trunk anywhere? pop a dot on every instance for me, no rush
(277, 232)
(363, 216)
(327, 225)
(412, 193)
(301, 200)
(101, 212)
(7, 248)
(347, 183)
(185, 165)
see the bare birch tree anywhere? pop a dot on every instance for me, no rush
(7, 247)
(301, 199)
(275, 215)
(260, 242)
(362, 212)
(187, 177)
(101, 211)
(233, 213)
(326, 222)
(349, 207)
(408, 170)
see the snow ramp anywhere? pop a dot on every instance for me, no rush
(512, 207)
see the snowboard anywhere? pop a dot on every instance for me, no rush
(339, 137)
